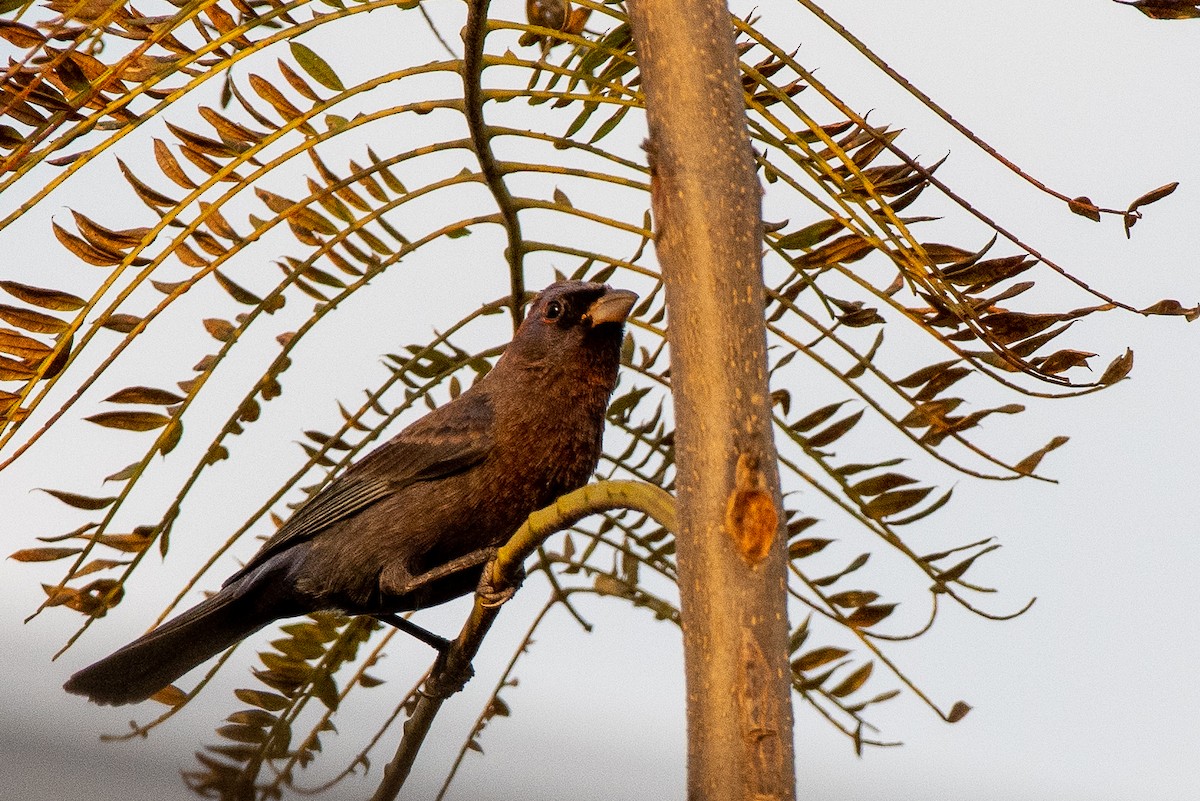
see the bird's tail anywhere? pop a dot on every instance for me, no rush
(153, 661)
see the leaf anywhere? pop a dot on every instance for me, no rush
(960, 709)
(1084, 207)
(1154, 195)
(160, 397)
(891, 503)
(221, 330)
(11, 370)
(85, 250)
(18, 34)
(818, 657)
(797, 527)
(926, 512)
(1007, 327)
(798, 636)
(130, 421)
(32, 320)
(835, 431)
(96, 565)
(22, 346)
(814, 419)
(851, 599)
(1063, 360)
(1027, 465)
(46, 298)
(880, 484)
(853, 682)
(806, 547)
(171, 436)
(149, 196)
(926, 374)
(1119, 368)
(959, 570)
(867, 616)
(43, 554)
(136, 542)
(170, 165)
(121, 323)
(984, 274)
(80, 501)
(1173, 308)
(843, 250)
(858, 562)
(609, 125)
(317, 67)
(1164, 9)
(7, 401)
(263, 88)
(239, 293)
(242, 734)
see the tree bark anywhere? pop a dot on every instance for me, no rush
(731, 553)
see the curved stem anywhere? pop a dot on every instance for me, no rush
(502, 573)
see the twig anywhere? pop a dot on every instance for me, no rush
(502, 574)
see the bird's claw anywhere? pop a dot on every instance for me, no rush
(491, 596)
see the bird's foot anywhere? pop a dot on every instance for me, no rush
(489, 594)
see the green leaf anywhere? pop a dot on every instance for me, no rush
(317, 67)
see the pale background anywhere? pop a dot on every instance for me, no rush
(1090, 696)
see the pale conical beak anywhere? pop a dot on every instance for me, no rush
(611, 307)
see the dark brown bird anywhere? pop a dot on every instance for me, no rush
(412, 523)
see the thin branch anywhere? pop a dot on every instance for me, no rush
(474, 33)
(502, 574)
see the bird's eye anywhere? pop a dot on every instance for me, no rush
(553, 310)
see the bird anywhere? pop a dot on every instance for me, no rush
(412, 524)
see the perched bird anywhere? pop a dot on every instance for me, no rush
(412, 524)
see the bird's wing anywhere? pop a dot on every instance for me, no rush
(451, 439)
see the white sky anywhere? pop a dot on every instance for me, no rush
(1089, 696)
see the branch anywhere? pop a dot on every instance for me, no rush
(503, 573)
(474, 33)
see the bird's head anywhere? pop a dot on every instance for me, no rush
(574, 324)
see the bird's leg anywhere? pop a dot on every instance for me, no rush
(439, 644)
(398, 585)
(410, 584)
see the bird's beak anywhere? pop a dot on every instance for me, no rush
(611, 307)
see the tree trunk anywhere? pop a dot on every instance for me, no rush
(732, 563)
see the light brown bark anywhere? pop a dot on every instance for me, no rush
(732, 563)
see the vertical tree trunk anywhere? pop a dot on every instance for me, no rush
(732, 563)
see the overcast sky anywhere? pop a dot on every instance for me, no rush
(1092, 695)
